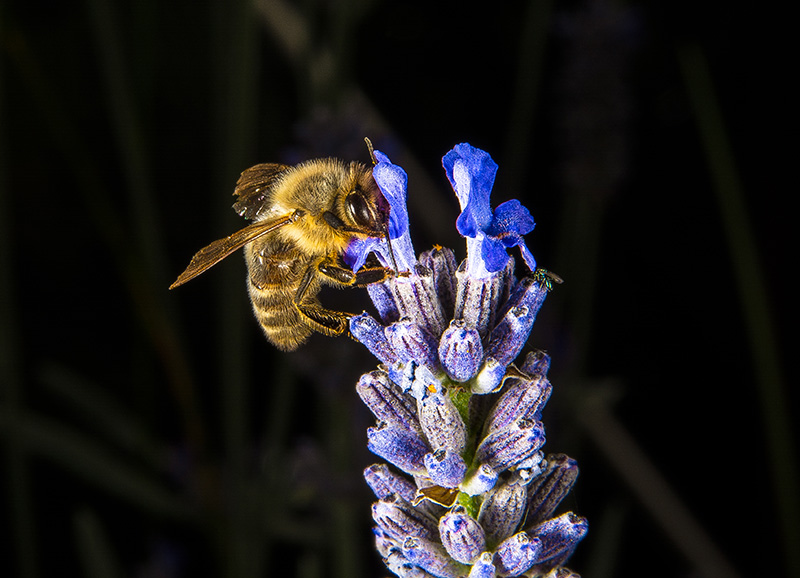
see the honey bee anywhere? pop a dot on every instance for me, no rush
(304, 217)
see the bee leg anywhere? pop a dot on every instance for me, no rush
(365, 276)
(327, 321)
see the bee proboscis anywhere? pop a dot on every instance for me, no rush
(304, 217)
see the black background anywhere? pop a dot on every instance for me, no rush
(156, 434)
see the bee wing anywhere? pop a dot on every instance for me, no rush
(209, 256)
(253, 186)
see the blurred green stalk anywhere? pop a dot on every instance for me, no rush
(750, 280)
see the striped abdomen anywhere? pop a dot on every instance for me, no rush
(275, 271)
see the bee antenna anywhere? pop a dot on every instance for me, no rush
(372, 155)
(391, 251)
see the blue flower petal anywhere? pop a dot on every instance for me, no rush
(494, 254)
(358, 250)
(393, 183)
(511, 216)
(471, 172)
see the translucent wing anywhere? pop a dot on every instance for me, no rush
(209, 256)
(253, 186)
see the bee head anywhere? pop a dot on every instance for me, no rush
(366, 207)
(369, 209)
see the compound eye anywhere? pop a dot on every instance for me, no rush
(360, 209)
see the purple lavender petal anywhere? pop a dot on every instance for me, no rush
(546, 490)
(511, 216)
(502, 510)
(412, 343)
(527, 256)
(393, 182)
(384, 482)
(480, 480)
(511, 220)
(445, 468)
(483, 567)
(387, 403)
(443, 426)
(399, 519)
(508, 447)
(400, 447)
(511, 333)
(461, 535)
(559, 537)
(357, 251)
(460, 351)
(517, 554)
(368, 331)
(494, 254)
(471, 173)
(431, 557)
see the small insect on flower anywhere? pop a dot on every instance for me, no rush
(304, 218)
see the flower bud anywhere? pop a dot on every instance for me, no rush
(502, 510)
(442, 262)
(524, 399)
(412, 343)
(398, 446)
(445, 468)
(461, 535)
(460, 351)
(431, 557)
(536, 363)
(386, 401)
(398, 519)
(383, 299)
(510, 334)
(442, 424)
(490, 376)
(400, 566)
(559, 537)
(517, 554)
(483, 567)
(480, 480)
(477, 299)
(368, 331)
(546, 490)
(416, 299)
(383, 482)
(511, 445)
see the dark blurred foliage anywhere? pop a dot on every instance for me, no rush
(156, 434)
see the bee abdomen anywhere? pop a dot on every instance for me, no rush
(278, 317)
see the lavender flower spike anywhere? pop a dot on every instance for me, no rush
(468, 491)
